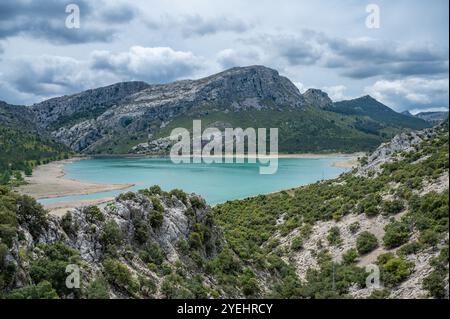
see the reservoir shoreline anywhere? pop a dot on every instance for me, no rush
(50, 180)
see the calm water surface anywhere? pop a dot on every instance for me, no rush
(217, 183)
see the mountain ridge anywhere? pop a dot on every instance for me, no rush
(116, 118)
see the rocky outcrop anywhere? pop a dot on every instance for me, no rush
(154, 227)
(318, 98)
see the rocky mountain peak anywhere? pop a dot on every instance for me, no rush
(317, 97)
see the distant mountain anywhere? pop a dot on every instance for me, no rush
(433, 117)
(367, 106)
(116, 118)
(23, 143)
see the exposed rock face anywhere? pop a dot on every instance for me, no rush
(387, 152)
(82, 120)
(88, 231)
(318, 98)
(55, 110)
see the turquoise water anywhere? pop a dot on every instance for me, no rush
(217, 183)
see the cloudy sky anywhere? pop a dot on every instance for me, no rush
(321, 44)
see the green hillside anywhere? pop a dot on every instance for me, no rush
(367, 106)
(309, 129)
(22, 144)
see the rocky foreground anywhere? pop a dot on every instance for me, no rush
(311, 242)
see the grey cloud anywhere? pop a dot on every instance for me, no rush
(47, 76)
(229, 58)
(411, 93)
(46, 19)
(154, 65)
(356, 58)
(38, 77)
(196, 25)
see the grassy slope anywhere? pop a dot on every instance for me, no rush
(300, 130)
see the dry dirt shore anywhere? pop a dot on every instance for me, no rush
(49, 181)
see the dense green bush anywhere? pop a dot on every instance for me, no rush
(366, 242)
(111, 237)
(393, 207)
(157, 205)
(97, 289)
(197, 202)
(141, 231)
(350, 256)
(127, 196)
(393, 269)
(369, 205)
(156, 219)
(152, 253)
(297, 243)
(42, 290)
(52, 265)
(68, 226)
(31, 215)
(118, 274)
(178, 193)
(94, 214)
(396, 234)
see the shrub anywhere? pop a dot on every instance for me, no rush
(195, 240)
(94, 214)
(410, 248)
(350, 256)
(366, 242)
(42, 290)
(52, 266)
(157, 205)
(249, 283)
(127, 196)
(434, 283)
(32, 215)
(155, 190)
(197, 202)
(393, 269)
(178, 193)
(118, 274)
(334, 236)
(380, 294)
(97, 289)
(111, 236)
(297, 243)
(429, 237)
(369, 205)
(396, 234)
(354, 227)
(393, 207)
(152, 253)
(156, 218)
(140, 231)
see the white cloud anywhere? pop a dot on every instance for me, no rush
(231, 57)
(337, 92)
(33, 78)
(155, 65)
(411, 93)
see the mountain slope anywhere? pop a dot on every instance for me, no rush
(22, 143)
(115, 119)
(311, 242)
(367, 106)
(433, 117)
